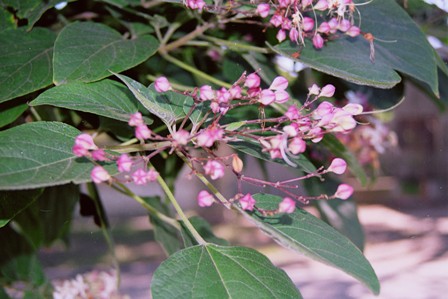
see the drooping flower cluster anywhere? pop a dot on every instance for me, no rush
(283, 137)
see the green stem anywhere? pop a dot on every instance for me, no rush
(179, 211)
(131, 148)
(236, 46)
(186, 38)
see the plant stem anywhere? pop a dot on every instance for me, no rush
(139, 147)
(186, 38)
(236, 46)
(179, 211)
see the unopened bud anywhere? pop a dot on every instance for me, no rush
(237, 164)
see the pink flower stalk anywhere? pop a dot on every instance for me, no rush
(308, 24)
(142, 132)
(181, 137)
(279, 83)
(267, 97)
(327, 91)
(99, 175)
(318, 41)
(321, 5)
(136, 119)
(162, 84)
(99, 155)
(337, 166)
(353, 31)
(247, 202)
(281, 96)
(281, 35)
(140, 177)
(344, 191)
(287, 205)
(208, 136)
(252, 81)
(205, 199)
(297, 146)
(124, 163)
(263, 9)
(152, 175)
(206, 93)
(214, 169)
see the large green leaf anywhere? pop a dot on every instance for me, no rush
(40, 154)
(107, 98)
(305, 233)
(31, 10)
(25, 61)
(88, 51)
(168, 106)
(10, 113)
(6, 20)
(401, 47)
(13, 202)
(212, 271)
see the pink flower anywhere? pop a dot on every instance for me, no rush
(288, 205)
(321, 5)
(247, 202)
(140, 177)
(308, 24)
(294, 35)
(353, 31)
(344, 25)
(99, 155)
(324, 108)
(279, 83)
(214, 169)
(281, 35)
(181, 137)
(292, 113)
(142, 132)
(314, 90)
(237, 164)
(205, 199)
(252, 81)
(79, 150)
(263, 10)
(290, 130)
(327, 91)
(342, 121)
(196, 4)
(297, 146)
(333, 23)
(99, 175)
(324, 27)
(206, 93)
(281, 96)
(235, 92)
(208, 136)
(344, 191)
(136, 119)
(276, 20)
(267, 97)
(86, 141)
(162, 84)
(318, 41)
(284, 3)
(152, 175)
(337, 166)
(306, 3)
(353, 109)
(124, 163)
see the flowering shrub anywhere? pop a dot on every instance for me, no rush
(70, 76)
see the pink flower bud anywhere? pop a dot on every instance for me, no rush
(247, 202)
(286, 25)
(209, 136)
(86, 141)
(344, 25)
(206, 93)
(124, 163)
(327, 91)
(136, 119)
(276, 20)
(142, 132)
(292, 113)
(344, 191)
(279, 83)
(214, 169)
(79, 150)
(333, 23)
(284, 3)
(237, 164)
(152, 175)
(162, 84)
(308, 24)
(281, 35)
(337, 166)
(287, 205)
(181, 137)
(281, 96)
(306, 3)
(314, 90)
(321, 5)
(353, 31)
(290, 130)
(235, 92)
(294, 35)
(140, 177)
(267, 97)
(297, 146)
(252, 81)
(353, 109)
(205, 199)
(99, 175)
(324, 27)
(99, 155)
(318, 41)
(263, 10)
(324, 108)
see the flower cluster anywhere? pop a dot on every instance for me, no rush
(283, 137)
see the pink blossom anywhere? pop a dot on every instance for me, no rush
(124, 163)
(324, 108)
(353, 31)
(324, 27)
(321, 5)
(281, 96)
(353, 109)
(205, 199)
(223, 96)
(286, 24)
(267, 97)
(333, 23)
(279, 83)
(344, 25)
(136, 119)
(316, 134)
(152, 175)
(79, 150)
(281, 35)
(181, 137)
(344, 191)
(247, 202)
(140, 177)
(294, 35)
(263, 9)
(318, 41)
(290, 130)
(142, 132)
(162, 84)
(306, 3)
(196, 4)
(287, 205)
(208, 136)
(214, 169)
(86, 141)
(337, 166)
(253, 92)
(237, 164)
(292, 113)
(99, 175)
(252, 81)
(99, 155)
(327, 91)
(314, 90)
(284, 3)
(297, 146)
(235, 92)
(276, 20)
(342, 121)
(206, 93)
(308, 24)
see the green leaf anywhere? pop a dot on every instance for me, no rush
(204, 229)
(255, 150)
(106, 98)
(13, 202)
(40, 154)
(212, 271)
(88, 51)
(400, 47)
(31, 10)
(198, 113)
(305, 233)
(48, 218)
(6, 21)
(11, 113)
(25, 61)
(168, 106)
